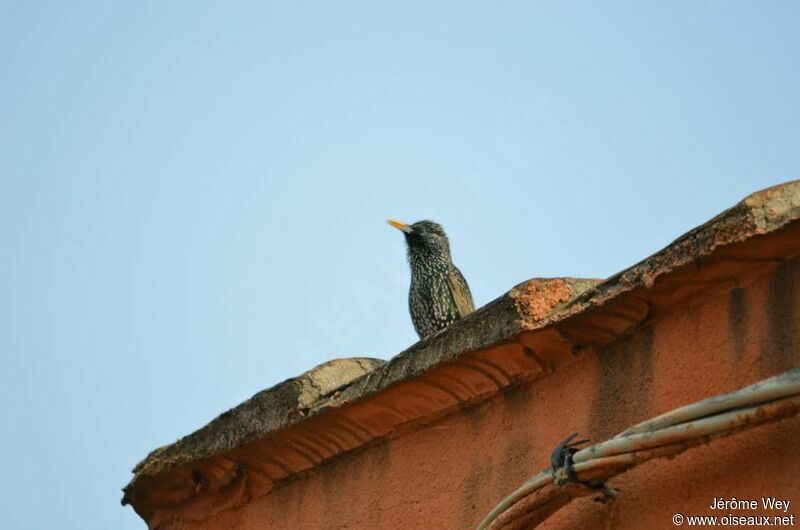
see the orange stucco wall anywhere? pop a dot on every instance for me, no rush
(449, 474)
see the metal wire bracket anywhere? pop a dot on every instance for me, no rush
(563, 470)
(561, 464)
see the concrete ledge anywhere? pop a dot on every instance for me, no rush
(537, 327)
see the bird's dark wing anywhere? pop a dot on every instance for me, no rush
(459, 290)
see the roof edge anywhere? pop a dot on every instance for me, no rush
(534, 307)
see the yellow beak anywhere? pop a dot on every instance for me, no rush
(400, 226)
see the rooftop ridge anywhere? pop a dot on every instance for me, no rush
(534, 328)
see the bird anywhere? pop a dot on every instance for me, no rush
(439, 294)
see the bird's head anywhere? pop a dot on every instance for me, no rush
(424, 238)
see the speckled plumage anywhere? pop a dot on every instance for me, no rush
(439, 294)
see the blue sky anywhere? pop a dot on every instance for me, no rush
(194, 195)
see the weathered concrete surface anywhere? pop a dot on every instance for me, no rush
(163, 478)
(266, 411)
(535, 330)
(761, 213)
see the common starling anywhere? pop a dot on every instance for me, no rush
(439, 294)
